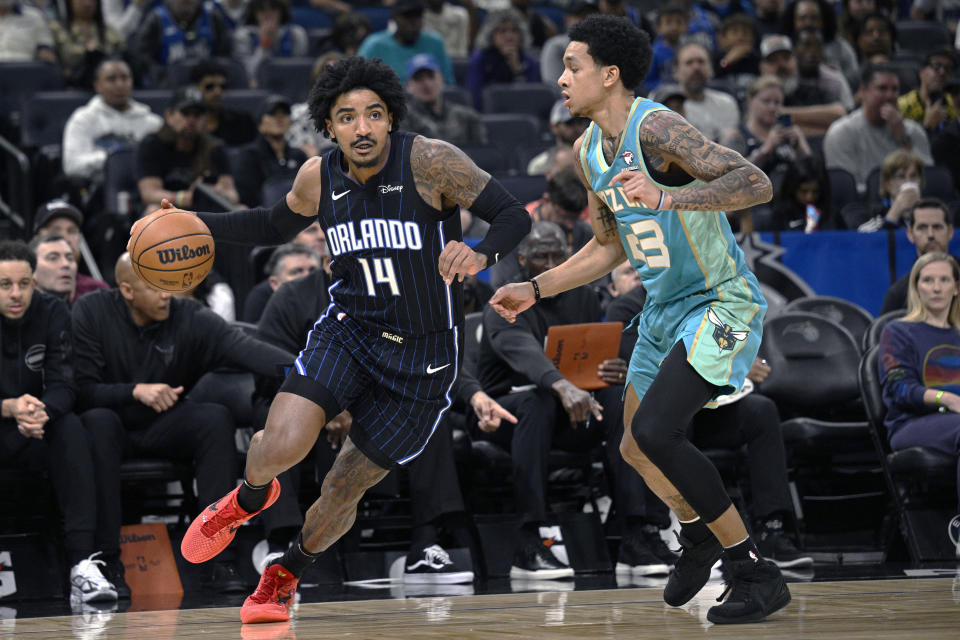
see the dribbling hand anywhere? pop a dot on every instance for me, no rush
(145, 220)
(511, 300)
(458, 260)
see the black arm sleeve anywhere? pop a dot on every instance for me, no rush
(260, 226)
(509, 221)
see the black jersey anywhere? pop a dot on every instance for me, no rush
(385, 242)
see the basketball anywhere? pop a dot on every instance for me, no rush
(173, 252)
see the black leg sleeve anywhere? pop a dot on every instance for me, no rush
(754, 421)
(660, 430)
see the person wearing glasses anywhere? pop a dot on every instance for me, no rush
(232, 126)
(929, 104)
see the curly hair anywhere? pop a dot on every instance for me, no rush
(352, 73)
(616, 41)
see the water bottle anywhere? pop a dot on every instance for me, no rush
(813, 219)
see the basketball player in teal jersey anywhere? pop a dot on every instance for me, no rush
(658, 190)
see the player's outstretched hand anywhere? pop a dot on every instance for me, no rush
(489, 412)
(640, 190)
(145, 220)
(458, 260)
(512, 299)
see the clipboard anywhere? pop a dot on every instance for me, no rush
(576, 350)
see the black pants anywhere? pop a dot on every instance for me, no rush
(65, 453)
(434, 486)
(753, 421)
(541, 425)
(632, 499)
(200, 433)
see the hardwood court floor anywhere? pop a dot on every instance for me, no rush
(923, 608)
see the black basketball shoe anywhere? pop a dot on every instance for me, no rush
(692, 569)
(755, 589)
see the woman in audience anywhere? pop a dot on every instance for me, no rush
(764, 138)
(918, 361)
(901, 182)
(268, 33)
(82, 40)
(501, 56)
(803, 200)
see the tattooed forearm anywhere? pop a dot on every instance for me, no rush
(607, 225)
(731, 182)
(334, 512)
(679, 506)
(741, 188)
(445, 176)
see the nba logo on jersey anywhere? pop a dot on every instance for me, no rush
(627, 157)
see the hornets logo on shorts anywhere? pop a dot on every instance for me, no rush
(724, 335)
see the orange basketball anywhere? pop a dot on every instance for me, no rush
(173, 252)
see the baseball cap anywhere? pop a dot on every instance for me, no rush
(559, 113)
(420, 62)
(773, 43)
(187, 98)
(56, 209)
(666, 91)
(403, 7)
(272, 103)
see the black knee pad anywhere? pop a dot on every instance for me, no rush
(652, 441)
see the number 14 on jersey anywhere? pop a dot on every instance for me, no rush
(382, 272)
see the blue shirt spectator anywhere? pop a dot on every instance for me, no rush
(406, 41)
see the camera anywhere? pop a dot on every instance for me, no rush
(785, 120)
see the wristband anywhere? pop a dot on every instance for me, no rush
(536, 292)
(662, 195)
(939, 395)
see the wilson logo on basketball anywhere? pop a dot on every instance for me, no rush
(168, 256)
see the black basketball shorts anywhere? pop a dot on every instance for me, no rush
(396, 387)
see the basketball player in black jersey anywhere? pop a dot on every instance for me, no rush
(388, 346)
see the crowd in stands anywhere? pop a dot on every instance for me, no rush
(192, 100)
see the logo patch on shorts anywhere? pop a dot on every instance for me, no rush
(723, 334)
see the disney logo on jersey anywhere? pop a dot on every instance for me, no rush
(373, 233)
(724, 335)
(384, 189)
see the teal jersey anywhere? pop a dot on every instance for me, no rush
(676, 253)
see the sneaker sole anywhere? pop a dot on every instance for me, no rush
(196, 547)
(260, 616)
(540, 574)
(453, 577)
(106, 595)
(782, 600)
(642, 569)
(805, 561)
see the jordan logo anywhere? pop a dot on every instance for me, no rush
(724, 335)
(337, 196)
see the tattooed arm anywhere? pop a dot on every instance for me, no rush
(597, 258)
(446, 177)
(730, 181)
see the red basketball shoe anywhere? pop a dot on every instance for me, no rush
(213, 530)
(273, 597)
